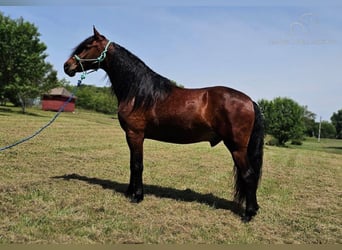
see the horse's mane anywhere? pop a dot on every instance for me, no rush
(132, 78)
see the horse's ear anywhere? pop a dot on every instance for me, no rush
(96, 33)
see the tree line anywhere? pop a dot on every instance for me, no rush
(286, 120)
(99, 99)
(25, 75)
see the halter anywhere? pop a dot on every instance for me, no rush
(97, 60)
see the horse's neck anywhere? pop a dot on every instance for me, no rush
(124, 71)
(132, 78)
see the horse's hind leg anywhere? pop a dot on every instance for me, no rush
(246, 183)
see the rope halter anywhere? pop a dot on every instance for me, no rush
(97, 60)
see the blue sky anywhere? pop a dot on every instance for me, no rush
(265, 50)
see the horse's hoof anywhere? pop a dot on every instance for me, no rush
(250, 213)
(246, 218)
(129, 195)
(137, 198)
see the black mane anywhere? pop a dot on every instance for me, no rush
(132, 78)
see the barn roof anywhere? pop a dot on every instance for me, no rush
(59, 92)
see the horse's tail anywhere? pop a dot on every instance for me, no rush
(255, 149)
(255, 156)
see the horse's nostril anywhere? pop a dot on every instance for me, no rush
(66, 67)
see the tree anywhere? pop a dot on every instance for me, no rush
(24, 74)
(283, 119)
(327, 130)
(177, 84)
(309, 122)
(336, 120)
(267, 109)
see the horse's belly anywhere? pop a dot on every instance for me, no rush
(180, 135)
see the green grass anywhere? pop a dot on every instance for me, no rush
(67, 184)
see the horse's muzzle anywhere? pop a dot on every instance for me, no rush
(69, 70)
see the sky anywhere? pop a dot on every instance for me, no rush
(265, 49)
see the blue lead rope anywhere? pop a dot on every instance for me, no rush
(79, 60)
(61, 109)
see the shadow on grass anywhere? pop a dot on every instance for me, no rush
(338, 148)
(187, 195)
(11, 111)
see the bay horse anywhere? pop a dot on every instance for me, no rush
(150, 106)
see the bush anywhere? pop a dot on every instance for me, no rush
(283, 119)
(271, 141)
(95, 98)
(296, 142)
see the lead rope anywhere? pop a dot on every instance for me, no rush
(61, 109)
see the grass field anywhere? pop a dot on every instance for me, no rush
(67, 186)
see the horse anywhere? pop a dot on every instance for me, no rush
(150, 106)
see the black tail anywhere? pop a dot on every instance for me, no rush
(255, 149)
(255, 157)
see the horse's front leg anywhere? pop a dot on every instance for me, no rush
(135, 189)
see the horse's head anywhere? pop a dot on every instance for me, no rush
(87, 55)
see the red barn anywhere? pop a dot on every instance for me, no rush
(56, 98)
